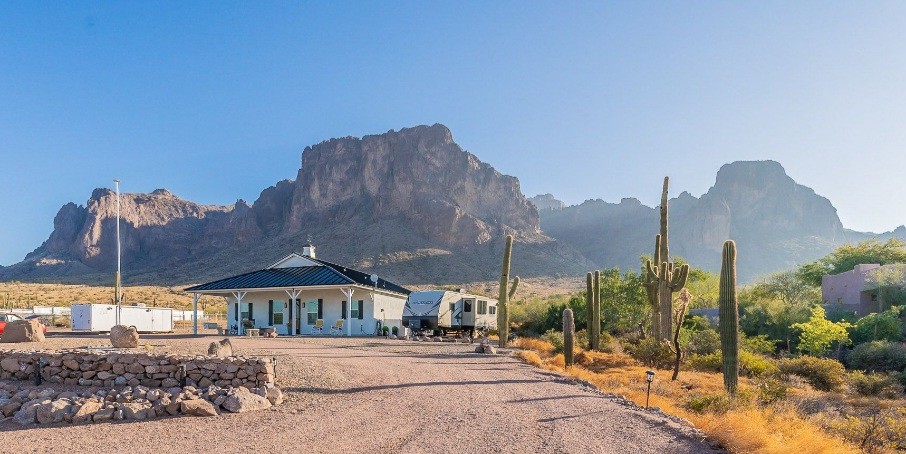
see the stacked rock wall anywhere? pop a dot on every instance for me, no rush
(108, 369)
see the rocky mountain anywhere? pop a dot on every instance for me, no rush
(776, 222)
(411, 205)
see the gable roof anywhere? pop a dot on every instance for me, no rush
(322, 274)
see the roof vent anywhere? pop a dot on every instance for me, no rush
(309, 250)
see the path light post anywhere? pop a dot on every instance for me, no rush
(274, 363)
(649, 377)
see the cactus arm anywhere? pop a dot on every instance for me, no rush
(679, 278)
(652, 271)
(513, 289)
(657, 248)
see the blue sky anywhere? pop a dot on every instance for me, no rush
(216, 100)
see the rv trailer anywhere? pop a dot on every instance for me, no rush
(439, 311)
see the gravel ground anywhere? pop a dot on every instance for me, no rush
(375, 395)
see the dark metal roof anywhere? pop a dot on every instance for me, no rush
(304, 276)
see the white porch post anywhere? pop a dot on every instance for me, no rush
(293, 295)
(347, 292)
(239, 296)
(195, 315)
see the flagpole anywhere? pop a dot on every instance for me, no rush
(118, 253)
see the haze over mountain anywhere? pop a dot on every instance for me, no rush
(414, 206)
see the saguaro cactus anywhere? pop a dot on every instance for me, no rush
(569, 336)
(589, 307)
(663, 276)
(503, 317)
(729, 318)
(594, 333)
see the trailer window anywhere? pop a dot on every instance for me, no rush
(467, 306)
(482, 307)
(493, 310)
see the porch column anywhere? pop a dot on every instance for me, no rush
(239, 296)
(293, 295)
(195, 315)
(347, 292)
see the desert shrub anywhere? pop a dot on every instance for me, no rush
(555, 338)
(873, 430)
(872, 384)
(534, 344)
(703, 342)
(759, 344)
(878, 356)
(653, 353)
(608, 343)
(750, 364)
(883, 326)
(771, 389)
(709, 403)
(581, 339)
(822, 373)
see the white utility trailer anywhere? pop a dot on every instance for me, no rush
(99, 318)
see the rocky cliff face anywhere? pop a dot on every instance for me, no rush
(410, 203)
(547, 202)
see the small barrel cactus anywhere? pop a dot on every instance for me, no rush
(729, 318)
(569, 336)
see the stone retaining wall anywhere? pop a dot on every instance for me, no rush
(122, 368)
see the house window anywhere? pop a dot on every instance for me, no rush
(245, 313)
(482, 307)
(354, 311)
(277, 307)
(467, 305)
(312, 312)
(493, 310)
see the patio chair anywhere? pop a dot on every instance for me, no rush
(337, 328)
(319, 327)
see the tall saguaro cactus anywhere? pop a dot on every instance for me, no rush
(663, 277)
(569, 336)
(589, 307)
(729, 318)
(595, 322)
(503, 316)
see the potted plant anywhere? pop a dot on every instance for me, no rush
(385, 330)
(394, 330)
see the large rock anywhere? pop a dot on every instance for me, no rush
(197, 407)
(23, 331)
(10, 364)
(222, 349)
(122, 336)
(242, 400)
(53, 411)
(86, 412)
(28, 413)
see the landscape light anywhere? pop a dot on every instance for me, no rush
(274, 363)
(649, 377)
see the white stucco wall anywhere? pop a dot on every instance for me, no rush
(331, 311)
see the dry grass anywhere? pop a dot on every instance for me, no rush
(26, 295)
(741, 426)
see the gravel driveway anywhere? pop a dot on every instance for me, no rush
(375, 395)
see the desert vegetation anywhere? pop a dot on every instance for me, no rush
(795, 376)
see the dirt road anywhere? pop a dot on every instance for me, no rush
(367, 395)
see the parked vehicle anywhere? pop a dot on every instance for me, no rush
(8, 317)
(438, 311)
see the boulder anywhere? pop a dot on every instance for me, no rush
(86, 412)
(122, 336)
(221, 349)
(53, 411)
(274, 395)
(137, 411)
(242, 400)
(104, 414)
(28, 412)
(10, 364)
(197, 407)
(23, 331)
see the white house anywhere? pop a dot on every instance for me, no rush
(301, 294)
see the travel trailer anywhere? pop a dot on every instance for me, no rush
(438, 311)
(100, 318)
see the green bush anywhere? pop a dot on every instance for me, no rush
(878, 356)
(555, 338)
(760, 344)
(750, 364)
(872, 384)
(822, 373)
(771, 389)
(703, 342)
(884, 326)
(652, 353)
(709, 403)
